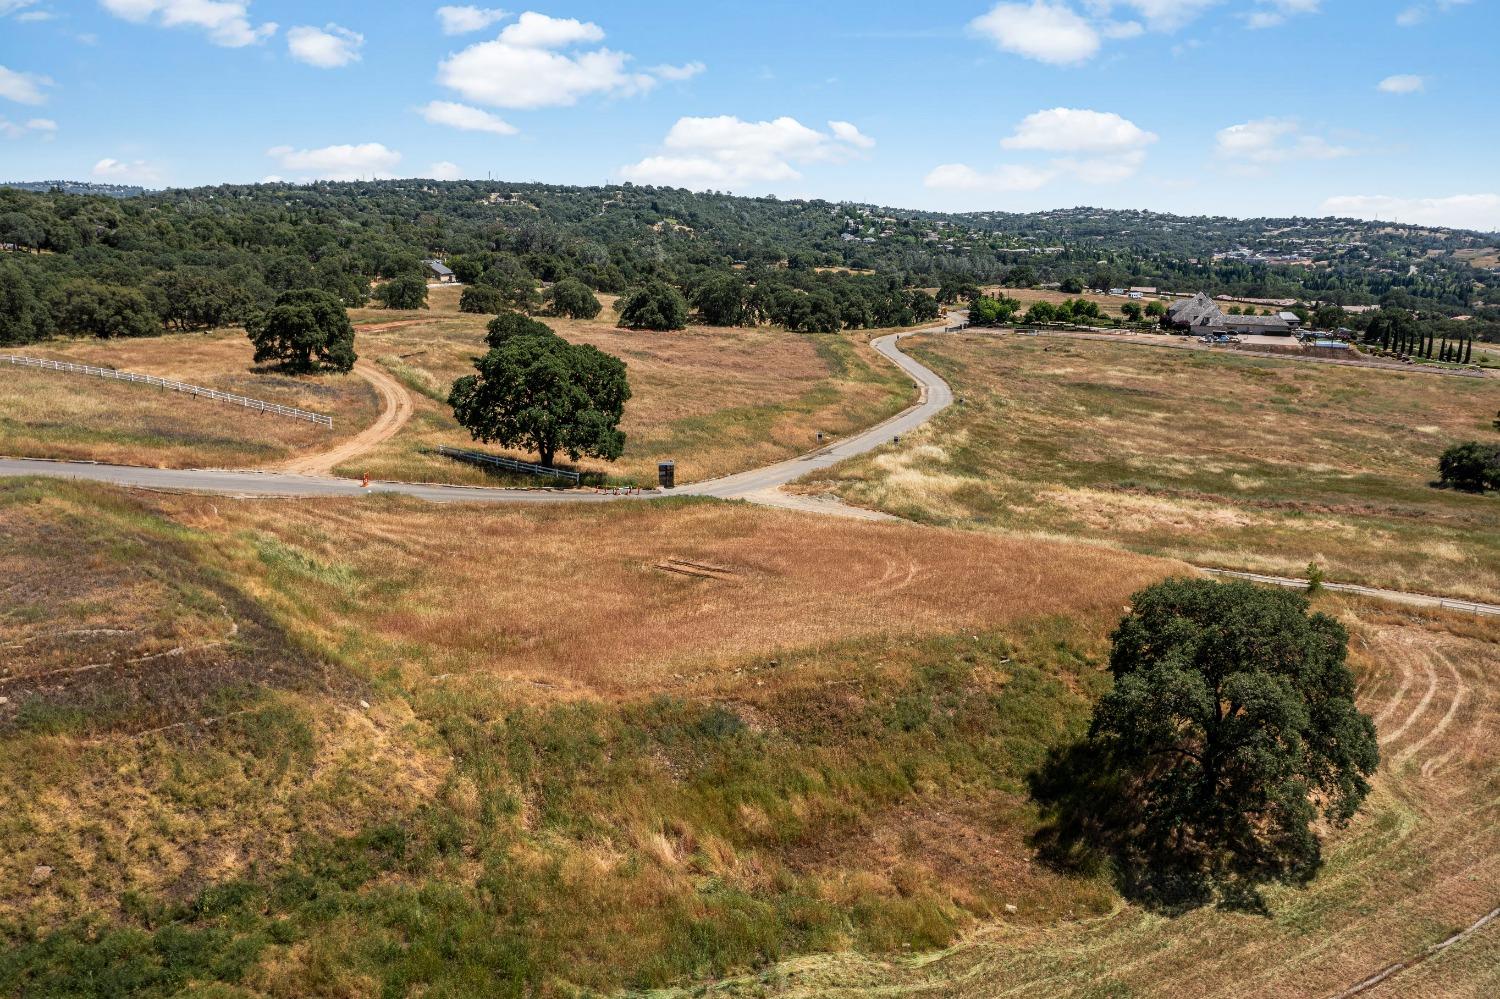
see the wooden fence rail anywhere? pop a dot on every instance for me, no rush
(509, 464)
(198, 391)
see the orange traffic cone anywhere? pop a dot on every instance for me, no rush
(366, 483)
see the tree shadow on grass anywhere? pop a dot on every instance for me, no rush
(1095, 822)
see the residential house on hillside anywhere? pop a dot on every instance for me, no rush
(1199, 313)
(439, 272)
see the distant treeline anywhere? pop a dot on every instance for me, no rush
(186, 259)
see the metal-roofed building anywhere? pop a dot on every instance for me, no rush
(439, 271)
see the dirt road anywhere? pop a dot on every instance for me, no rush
(396, 408)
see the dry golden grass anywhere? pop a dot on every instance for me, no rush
(113, 635)
(577, 598)
(1420, 862)
(56, 415)
(716, 401)
(1233, 461)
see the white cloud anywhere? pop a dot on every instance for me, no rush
(727, 152)
(46, 128)
(1047, 32)
(1112, 148)
(23, 88)
(346, 162)
(469, 119)
(538, 31)
(678, 73)
(121, 172)
(1271, 13)
(1010, 177)
(1460, 211)
(1072, 130)
(847, 132)
(25, 10)
(227, 23)
(1274, 140)
(462, 20)
(524, 67)
(443, 170)
(1402, 83)
(1417, 13)
(1159, 15)
(327, 47)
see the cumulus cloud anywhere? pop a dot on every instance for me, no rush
(1048, 32)
(1274, 140)
(443, 170)
(1073, 130)
(1071, 32)
(45, 128)
(533, 30)
(535, 63)
(1402, 83)
(1101, 147)
(469, 119)
(345, 162)
(23, 88)
(462, 20)
(1459, 211)
(728, 152)
(227, 23)
(327, 47)
(123, 172)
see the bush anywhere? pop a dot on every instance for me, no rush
(654, 306)
(572, 298)
(509, 325)
(1471, 467)
(478, 298)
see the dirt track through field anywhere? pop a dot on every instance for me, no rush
(396, 409)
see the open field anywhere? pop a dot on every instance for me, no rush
(715, 400)
(501, 752)
(1421, 862)
(1226, 460)
(47, 414)
(638, 743)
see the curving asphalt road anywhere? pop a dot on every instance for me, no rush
(757, 485)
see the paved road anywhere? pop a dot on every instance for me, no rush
(759, 485)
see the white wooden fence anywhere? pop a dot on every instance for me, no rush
(199, 391)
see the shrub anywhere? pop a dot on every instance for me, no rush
(1472, 467)
(481, 299)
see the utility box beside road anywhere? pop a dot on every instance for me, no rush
(666, 474)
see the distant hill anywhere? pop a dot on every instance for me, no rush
(76, 187)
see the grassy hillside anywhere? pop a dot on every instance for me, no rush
(335, 749)
(1225, 460)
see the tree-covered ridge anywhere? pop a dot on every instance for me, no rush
(236, 248)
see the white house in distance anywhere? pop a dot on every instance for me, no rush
(439, 272)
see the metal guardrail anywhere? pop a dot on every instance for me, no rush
(198, 391)
(509, 464)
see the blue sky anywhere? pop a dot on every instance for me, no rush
(1239, 107)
